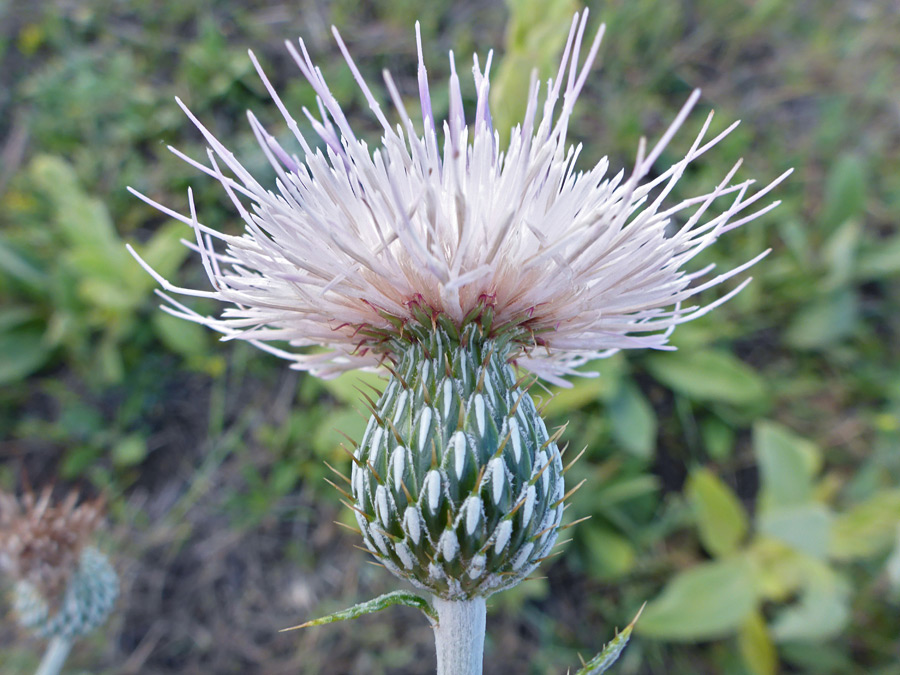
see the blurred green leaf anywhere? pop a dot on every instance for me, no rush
(633, 420)
(805, 527)
(16, 266)
(129, 450)
(867, 529)
(879, 260)
(845, 192)
(718, 438)
(787, 464)
(183, 337)
(709, 376)
(22, 352)
(164, 252)
(756, 647)
(535, 36)
(840, 252)
(721, 520)
(822, 611)
(824, 321)
(704, 602)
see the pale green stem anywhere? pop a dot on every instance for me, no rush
(54, 657)
(459, 636)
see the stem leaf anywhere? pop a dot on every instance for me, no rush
(611, 652)
(375, 605)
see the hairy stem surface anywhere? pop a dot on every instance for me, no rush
(459, 636)
(54, 657)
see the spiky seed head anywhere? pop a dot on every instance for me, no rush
(41, 541)
(63, 587)
(458, 485)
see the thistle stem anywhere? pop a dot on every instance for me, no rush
(459, 636)
(54, 657)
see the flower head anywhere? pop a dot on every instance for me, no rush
(355, 247)
(64, 587)
(40, 541)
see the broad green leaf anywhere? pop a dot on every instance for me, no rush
(15, 265)
(22, 352)
(866, 529)
(804, 527)
(404, 598)
(822, 611)
(633, 420)
(787, 464)
(824, 321)
(183, 337)
(704, 602)
(840, 252)
(845, 192)
(165, 251)
(709, 376)
(756, 647)
(880, 260)
(611, 652)
(721, 520)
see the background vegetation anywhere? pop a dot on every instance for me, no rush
(748, 485)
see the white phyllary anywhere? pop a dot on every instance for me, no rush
(504, 531)
(515, 438)
(433, 489)
(405, 554)
(412, 523)
(479, 413)
(382, 509)
(523, 556)
(448, 396)
(497, 470)
(473, 510)
(424, 428)
(401, 406)
(458, 443)
(449, 545)
(528, 506)
(398, 464)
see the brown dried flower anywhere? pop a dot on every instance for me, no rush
(41, 541)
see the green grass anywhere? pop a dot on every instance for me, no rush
(747, 486)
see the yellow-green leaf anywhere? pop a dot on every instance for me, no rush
(721, 520)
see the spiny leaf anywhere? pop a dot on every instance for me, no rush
(376, 605)
(611, 652)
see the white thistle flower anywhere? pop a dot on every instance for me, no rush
(355, 244)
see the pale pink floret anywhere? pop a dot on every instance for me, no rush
(351, 232)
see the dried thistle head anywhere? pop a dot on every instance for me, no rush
(41, 541)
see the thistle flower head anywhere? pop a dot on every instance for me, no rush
(354, 248)
(63, 586)
(41, 541)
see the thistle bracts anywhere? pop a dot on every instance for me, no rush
(457, 484)
(86, 603)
